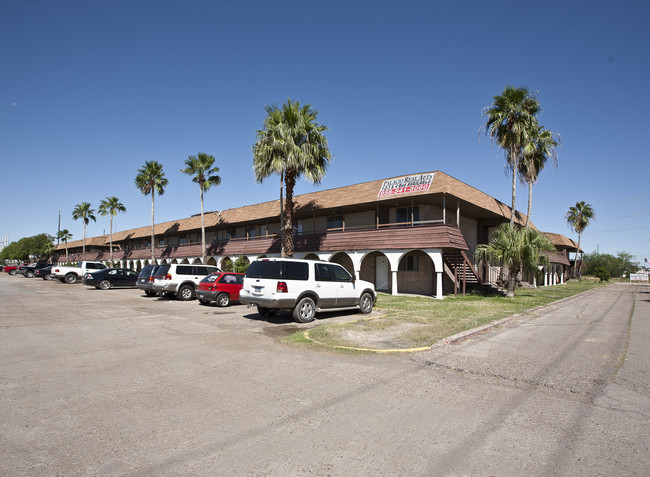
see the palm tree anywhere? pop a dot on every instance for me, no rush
(200, 167)
(542, 146)
(517, 249)
(578, 218)
(64, 235)
(86, 213)
(151, 180)
(510, 122)
(292, 144)
(111, 206)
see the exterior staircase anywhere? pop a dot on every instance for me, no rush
(464, 274)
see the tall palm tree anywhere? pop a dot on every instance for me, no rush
(578, 218)
(541, 147)
(86, 213)
(510, 122)
(517, 249)
(64, 235)
(111, 206)
(200, 167)
(151, 180)
(292, 144)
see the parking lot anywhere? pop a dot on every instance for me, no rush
(113, 383)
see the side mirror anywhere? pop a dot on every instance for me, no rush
(354, 278)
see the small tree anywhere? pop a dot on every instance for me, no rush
(516, 249)
(227, 265)
(241, 264)
(602, 274)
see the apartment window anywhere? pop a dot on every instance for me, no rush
(182, 240)
(408, 264)
(403, 214)
(161, 242)
(335, 222)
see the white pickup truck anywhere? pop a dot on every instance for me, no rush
(73, 274)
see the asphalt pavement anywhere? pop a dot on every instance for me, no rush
(114, 383)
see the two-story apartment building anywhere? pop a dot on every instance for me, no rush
(409, 234)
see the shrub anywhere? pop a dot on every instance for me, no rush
(241, 264)
(602, 274)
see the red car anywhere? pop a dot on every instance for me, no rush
(10, 269)
(222, 287)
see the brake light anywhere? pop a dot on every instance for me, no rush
(282, 287)
(167, 277)
(151, 279)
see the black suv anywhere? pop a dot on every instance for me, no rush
(145, 279)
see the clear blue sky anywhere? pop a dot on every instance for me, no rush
(90, 90)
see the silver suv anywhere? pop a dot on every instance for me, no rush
(180, 280)
(304, 287)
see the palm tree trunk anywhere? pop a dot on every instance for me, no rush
(282, 254)
(530, 201)
(153, 253)
(203, 250)
(513, 165)
(287, 238)
(576, 268)
(110, 240)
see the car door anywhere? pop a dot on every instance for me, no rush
(326, 285)
(228, 283)
(347, 292)
(130, 278)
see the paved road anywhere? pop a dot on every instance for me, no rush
(112, 383)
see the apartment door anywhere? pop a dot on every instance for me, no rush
(381, 273)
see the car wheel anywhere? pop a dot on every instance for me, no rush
(47, 277)
(105, 284)
(204, 302)
(150, 293)
(12, 272)
(71, 278)
(29, 274)
(366, 302)
(223, 299)
(305, 311)
(185, 293)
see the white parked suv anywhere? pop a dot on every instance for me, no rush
(304, 287)
(180, 280)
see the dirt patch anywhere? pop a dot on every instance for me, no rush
(389, 338)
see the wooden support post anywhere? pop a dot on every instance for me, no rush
(444, 209)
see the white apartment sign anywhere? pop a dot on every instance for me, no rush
(638, 277)
(405, 184)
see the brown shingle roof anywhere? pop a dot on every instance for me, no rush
(100, 240)
(353, 195)
(560, 241)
